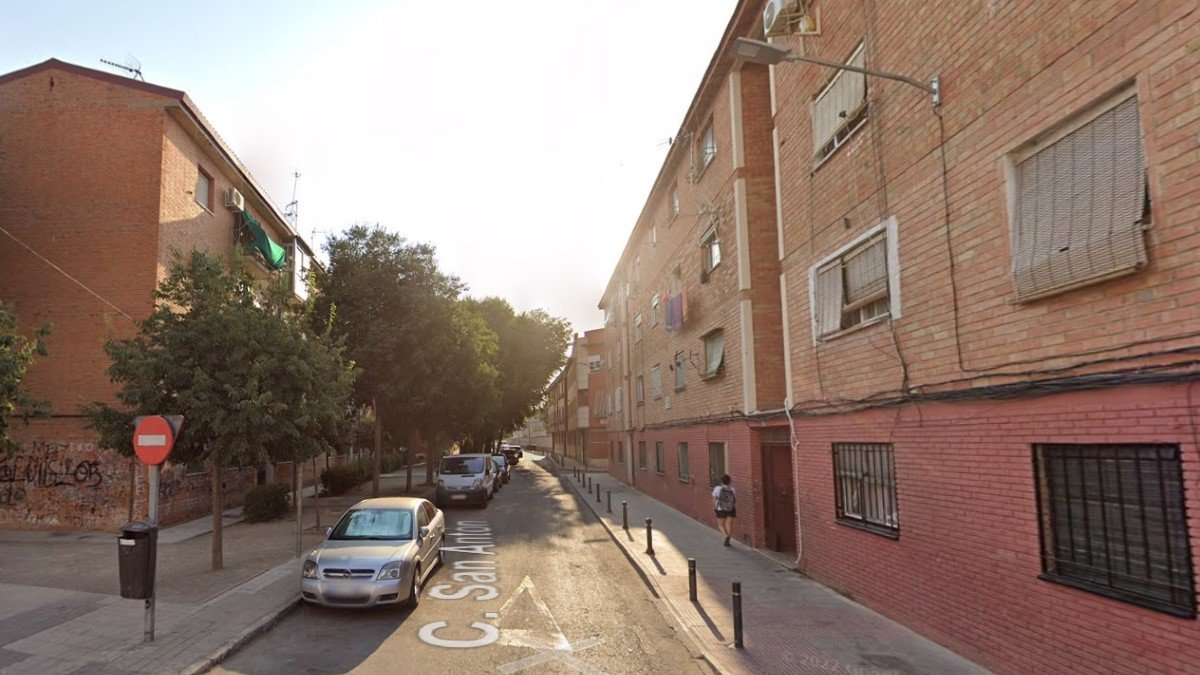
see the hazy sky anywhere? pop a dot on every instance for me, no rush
(521, 138)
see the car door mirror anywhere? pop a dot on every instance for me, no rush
(422, 533)
(328, 531)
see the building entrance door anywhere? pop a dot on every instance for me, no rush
(779, 497)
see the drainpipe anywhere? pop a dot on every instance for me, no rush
(795, 469)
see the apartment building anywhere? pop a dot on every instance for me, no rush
(693, 309)
(986, 289)
(577, 406)
(102, 179)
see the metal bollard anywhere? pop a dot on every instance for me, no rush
(625, 515)
(737, 615)
(609, 493)
(649, 538)
(597, 492)
(589, 483)
(692, 579)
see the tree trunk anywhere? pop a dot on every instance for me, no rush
(217, 553)
(378, 451)
(298, 492)
(408, 469)
(317, 492)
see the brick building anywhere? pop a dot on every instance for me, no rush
(102, 178)
(986, 311)
(576, 407)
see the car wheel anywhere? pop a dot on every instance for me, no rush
(414, 591)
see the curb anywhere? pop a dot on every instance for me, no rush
(651, 583)
(254, 630)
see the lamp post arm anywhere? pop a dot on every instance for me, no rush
(932, 88)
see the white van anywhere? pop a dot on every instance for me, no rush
(466, 479)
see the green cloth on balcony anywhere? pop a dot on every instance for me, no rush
(275, 255)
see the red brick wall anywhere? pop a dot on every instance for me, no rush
(965, 568)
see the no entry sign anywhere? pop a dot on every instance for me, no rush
(152, 439)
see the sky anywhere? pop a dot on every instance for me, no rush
(520, 138)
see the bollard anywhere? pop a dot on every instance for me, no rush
(597, 492)
(589, 483)
(649, 538)
(609, 508)
(625, 515)
(692, 579)
(737, 614)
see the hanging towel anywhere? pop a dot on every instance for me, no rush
(683, 306)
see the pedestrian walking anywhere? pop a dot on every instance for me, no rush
(725, 500)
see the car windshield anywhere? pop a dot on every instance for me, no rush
(461, 466)
(498, 461)
(374, 524)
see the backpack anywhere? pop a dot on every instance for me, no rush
(726, 499)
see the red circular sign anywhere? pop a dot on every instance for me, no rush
(152, 440)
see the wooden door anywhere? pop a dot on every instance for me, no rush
(779, 496)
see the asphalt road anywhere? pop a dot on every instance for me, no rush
(566, 600)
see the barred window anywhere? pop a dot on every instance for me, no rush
(1080, 206)
(660, 462)
(684, 470)
(716, 463)
(1113, 522)
(865, 486)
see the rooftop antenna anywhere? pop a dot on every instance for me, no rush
(131, 66)
(292, 210)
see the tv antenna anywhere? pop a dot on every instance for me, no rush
(292, 210)
(131, 66)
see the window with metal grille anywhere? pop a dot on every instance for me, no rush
(1080, 206)
(685, 474)
(1113, 522)
(716, 463)
(840, 108)
(864, 481)
(854, 288)
(641, 454)
(660, 461)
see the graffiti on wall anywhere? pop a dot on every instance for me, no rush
(51, 482)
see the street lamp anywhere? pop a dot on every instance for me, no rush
(765, 53)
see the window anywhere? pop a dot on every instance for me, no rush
(1113, 522)
(714, 353)
(674, 200)
(680, 373)
(656, 382)
(660, 462)
(1080, 205)
(594, 363)
(840, 109)
(708, 147)
(710, 252)
(716, 463)
(654, 310)
(857, 285)
(639, 389)
(637, 328)
(621, 453)
(619, 401)
(204, 188)
(865, 486)
(642, 455)
(684, 473)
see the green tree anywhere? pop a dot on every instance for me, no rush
(395, 309)
(17, 353)
(254, 382)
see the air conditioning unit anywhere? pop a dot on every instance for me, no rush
(234, 201)
(790, 17)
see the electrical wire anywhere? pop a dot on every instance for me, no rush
(65, 274)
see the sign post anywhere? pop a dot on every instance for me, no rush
(153, 438)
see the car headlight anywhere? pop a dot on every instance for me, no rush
(310, 570)
(390, 571)
(478, 483)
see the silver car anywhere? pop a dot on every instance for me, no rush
(380, 552)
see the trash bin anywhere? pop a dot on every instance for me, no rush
(137, 548)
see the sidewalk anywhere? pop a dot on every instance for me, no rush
(83, 625)
(790, 623)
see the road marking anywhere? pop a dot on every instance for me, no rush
(526, 586)
(559, 649)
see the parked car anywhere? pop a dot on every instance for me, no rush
(503, 468)
(512, 455)
(380, 552)
(463, 479)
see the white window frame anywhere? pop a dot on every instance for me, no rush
(654, 318)
(891, 228)
(706, 149)
(656, 382)
(1043, 141)
(637, 328)
(680, 371)
(855, 119)
(674, 200)
(639, 389)
(708, 374)
(710, 244)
